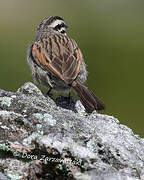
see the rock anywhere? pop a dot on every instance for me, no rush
(45, 138)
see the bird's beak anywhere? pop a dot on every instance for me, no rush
(66, 26)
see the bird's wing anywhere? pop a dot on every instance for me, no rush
(58, 54)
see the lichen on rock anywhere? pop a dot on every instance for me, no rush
(45, 138)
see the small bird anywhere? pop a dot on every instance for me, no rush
(57, 63)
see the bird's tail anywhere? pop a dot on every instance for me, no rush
(87, 97)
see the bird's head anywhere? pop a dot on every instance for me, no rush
(54, 23)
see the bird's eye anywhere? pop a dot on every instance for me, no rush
(63, 31)
(58, 27)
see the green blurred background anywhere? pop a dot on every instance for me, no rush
(110, 34)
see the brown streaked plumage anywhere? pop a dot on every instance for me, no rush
(64, 60)
(57, 62)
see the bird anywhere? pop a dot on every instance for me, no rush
(57, 63)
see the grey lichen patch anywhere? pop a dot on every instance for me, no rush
(47, 118)
(13, 175)
(92, 145)
(15, 169)
(12, 126)
(80, 108)
(66, 126)
(81, 176)
(3, 177)
(29, 89)
(39, 127)
(4, 147)
(27, 141)
(5, 127)
(38, 116)
(13, 96)
(3, 113)
(5, 101)
(9, 115)
(83, 152)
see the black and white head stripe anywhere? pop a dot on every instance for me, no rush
(55, 22)
(51, 19)
(58, 24)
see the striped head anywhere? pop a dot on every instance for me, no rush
(54, 23)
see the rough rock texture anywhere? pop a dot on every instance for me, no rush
(42, 138)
